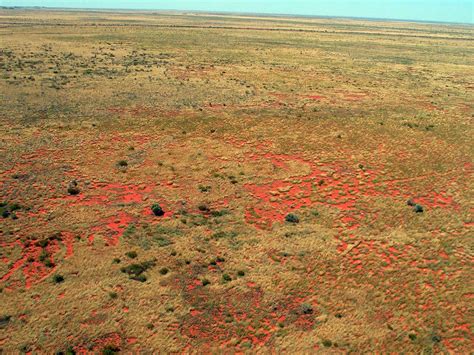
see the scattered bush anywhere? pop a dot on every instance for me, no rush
(203, 188)
(73, 188)
(306, 308)
(6, 209)
(48, 263)
(131, 254)
(113, 295)
(157, 210)
(418, 209)
(219, 213)
(327, 343)
(162, 241)
(226, 278)
(110, 350)
(292, 218)
(122, 164)
(412, 336)
(204, 208)
(4, 320)
(69, 351)
(135, 271)
(411, 202)
(58, 278)
(164, 271)
(241, 273)
(205, 282)
(116, 261)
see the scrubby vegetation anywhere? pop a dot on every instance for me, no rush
(274, 184)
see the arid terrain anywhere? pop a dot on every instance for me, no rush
(193, 183)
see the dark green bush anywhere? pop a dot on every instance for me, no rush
(292, 218)
(327, 343)
(157, 210)
(58, 278)
(306, 308)
(110, 350)
(418, 209)
(131, 254)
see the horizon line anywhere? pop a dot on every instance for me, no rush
(262, 14)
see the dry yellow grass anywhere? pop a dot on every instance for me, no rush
(230, 123)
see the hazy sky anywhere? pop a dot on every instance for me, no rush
(426, 10)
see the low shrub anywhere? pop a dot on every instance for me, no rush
(418, 209)
(292, 218)
(58, 278)
(157, 210)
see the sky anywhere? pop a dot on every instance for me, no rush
(420, 10)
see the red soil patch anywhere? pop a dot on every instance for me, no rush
(112, 228)
(332, 185)
(33, 269)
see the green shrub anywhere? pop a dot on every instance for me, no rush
(157, 210)
(327, 343)
(241, 273)
(131, 254)
(164, 271)
(4, 320)
(135, 271)
(58, 278)
(418, 209)
(73, 188)
(205, 282)
(292, 218)
(306, 308)
(204, 208)
(110, 350)
(226, 278)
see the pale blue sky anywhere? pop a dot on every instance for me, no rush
(425, 10)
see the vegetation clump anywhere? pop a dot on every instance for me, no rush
(306, 308)
(57, 279)
(327, 343)
(157, 210)
(110, 350)
(418, 208)
(292, 218)
(135, 271)
(4, 320)
(8, 210)
(131, 254)
(73, 188)
(122, 163)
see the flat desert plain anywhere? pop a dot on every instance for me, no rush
(208, 183)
